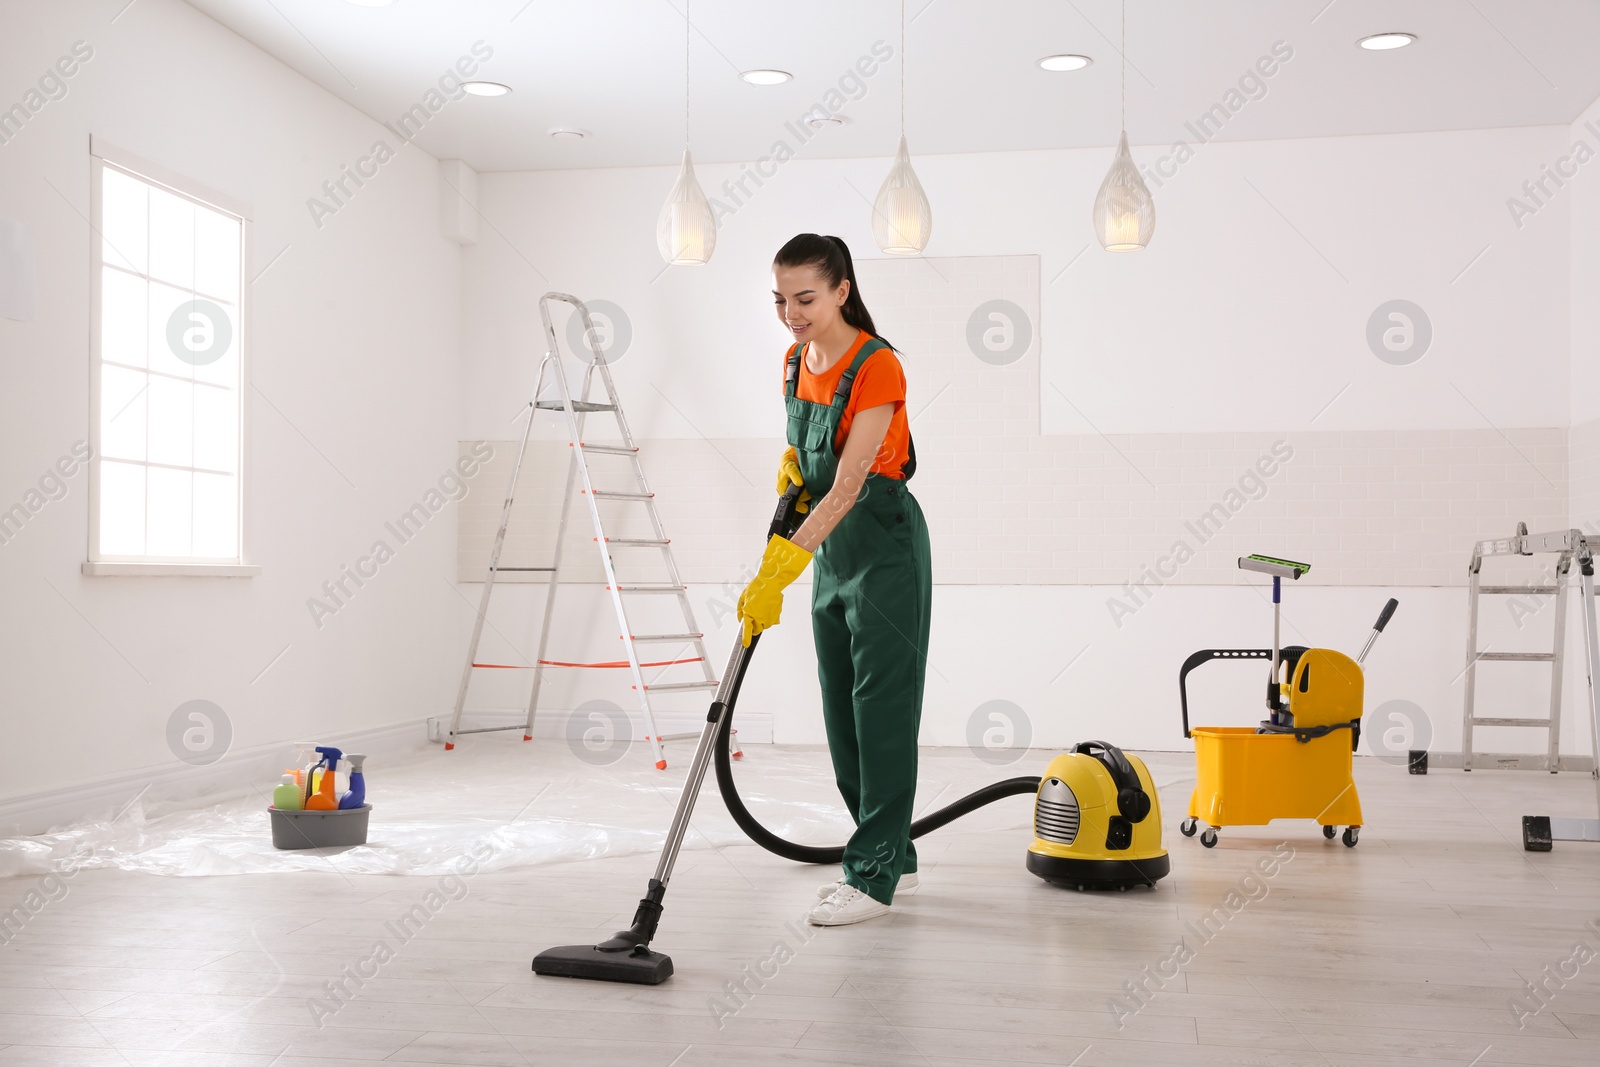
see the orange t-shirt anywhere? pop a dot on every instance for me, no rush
(880, 380)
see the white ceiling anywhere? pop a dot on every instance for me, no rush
(615, 68)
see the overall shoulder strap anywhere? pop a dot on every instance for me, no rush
(841, 395)
(791, 372)
(848, 378)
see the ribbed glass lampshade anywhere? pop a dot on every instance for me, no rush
(686, 231)
(1124, 213)
(901, 217)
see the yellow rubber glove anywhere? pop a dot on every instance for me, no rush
(789, 474)
(762, 600)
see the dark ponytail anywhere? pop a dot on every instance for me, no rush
(831, 258)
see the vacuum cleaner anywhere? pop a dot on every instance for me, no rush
(1097, 821)
(627, 956)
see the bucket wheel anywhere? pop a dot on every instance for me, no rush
(1187, 827)
(1352, 834)
(1329, 831)
(1208, 837)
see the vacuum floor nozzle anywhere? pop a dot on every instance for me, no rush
(639, 965)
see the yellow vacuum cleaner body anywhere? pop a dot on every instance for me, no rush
(1097, 821)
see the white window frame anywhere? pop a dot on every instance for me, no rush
(100, 154)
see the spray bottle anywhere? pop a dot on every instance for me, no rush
(356, 795)
(325, 799)
(306, 763)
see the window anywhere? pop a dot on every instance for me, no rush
(167, 347)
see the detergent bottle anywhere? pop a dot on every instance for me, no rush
(286, 795)
(325, 799)
(356, 795)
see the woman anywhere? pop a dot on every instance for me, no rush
(850, 447)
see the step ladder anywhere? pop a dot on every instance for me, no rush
(552, 371)
(1568, 546)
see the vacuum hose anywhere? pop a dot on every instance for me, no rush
(832, 854)
(784, 522)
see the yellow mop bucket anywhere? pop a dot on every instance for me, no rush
(1243, 778)
(1297, 764)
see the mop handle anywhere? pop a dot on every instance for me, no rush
(1377, 628)
(1274, 697)
(1279, 569)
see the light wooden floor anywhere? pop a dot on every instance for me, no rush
(1405, 950)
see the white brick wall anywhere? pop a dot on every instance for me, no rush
(1366, 508)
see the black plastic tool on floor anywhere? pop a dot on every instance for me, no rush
(627, 956)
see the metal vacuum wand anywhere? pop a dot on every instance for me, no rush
(626, 956)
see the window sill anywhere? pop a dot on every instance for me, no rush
(171, 570)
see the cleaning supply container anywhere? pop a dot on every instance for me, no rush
(319, 829)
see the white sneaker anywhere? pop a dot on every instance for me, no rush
(847, 905)
(907, 881)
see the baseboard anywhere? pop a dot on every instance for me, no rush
(240, 772)
(1509, 761)
(754, 728)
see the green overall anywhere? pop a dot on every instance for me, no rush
(870, 601)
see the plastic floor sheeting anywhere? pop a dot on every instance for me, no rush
(515, 804)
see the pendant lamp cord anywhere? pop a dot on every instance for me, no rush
(1124, 112)
(685, 75)
(902, 68)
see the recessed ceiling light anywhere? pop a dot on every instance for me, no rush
(816, 122)
(1065, 62)
(1382, 42)
(486, 88)
(766, 77)
(561, 134)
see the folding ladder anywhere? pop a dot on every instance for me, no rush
(1567, 546)
(636, 495)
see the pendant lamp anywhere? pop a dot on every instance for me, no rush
(686, 231)
(1124, 212)
(901, 217)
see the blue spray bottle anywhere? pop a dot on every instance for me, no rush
(356, 795)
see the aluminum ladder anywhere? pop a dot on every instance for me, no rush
(576, 412)
(1568, 546)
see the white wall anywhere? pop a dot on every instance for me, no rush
(1583, 448)
(352, 352)
(1245, 318)
(1231, 320)
(1584, 193)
